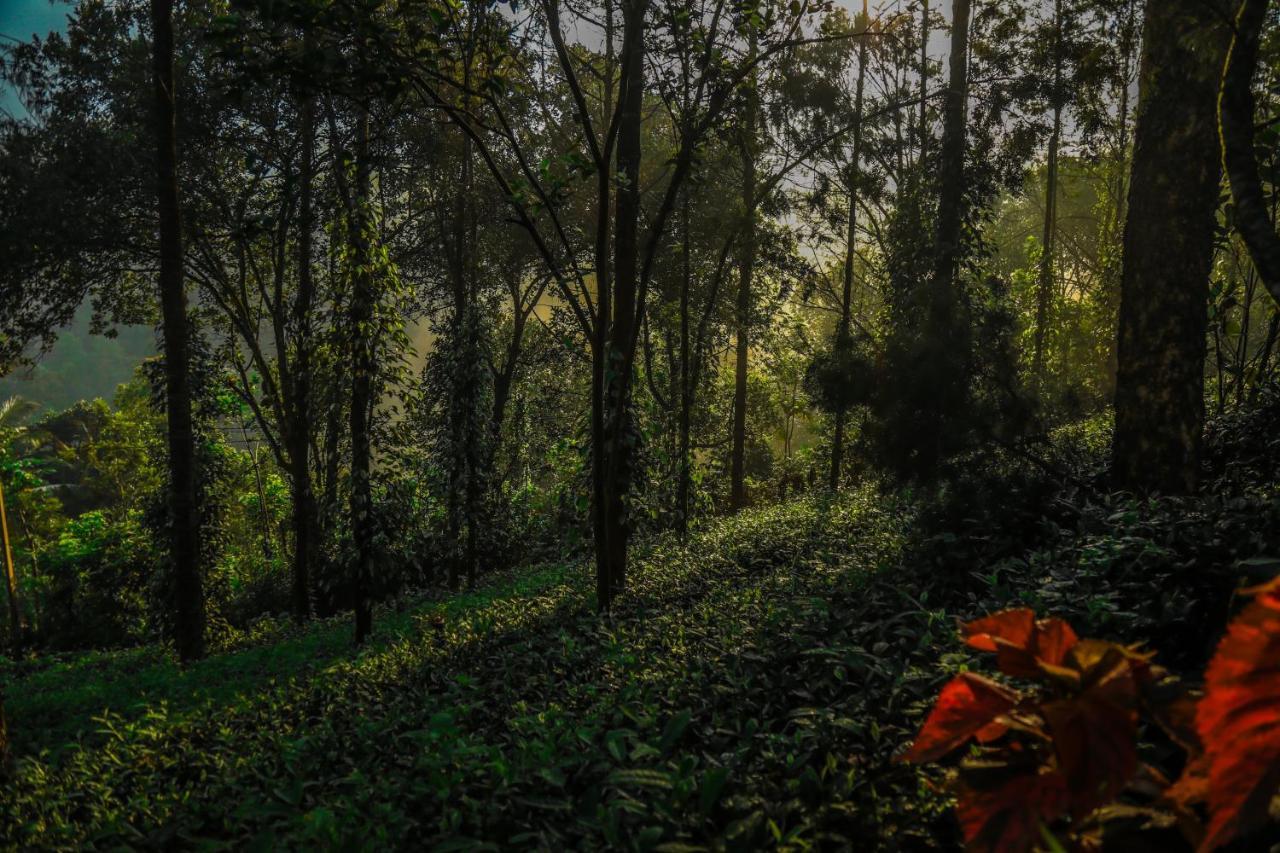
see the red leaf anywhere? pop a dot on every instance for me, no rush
(1239, 720)
(1193, 786)
(1054, 639)
(1095, 733)
(1022, 645)
(1014, 627)
(1006, 818)
(969, 704)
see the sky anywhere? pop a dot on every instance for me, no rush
(20, 19)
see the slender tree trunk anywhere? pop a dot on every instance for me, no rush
(298, 435)
(503, 379)
(362, 382)
(463, 399)
(268, 548)
(622, 341)
(1168, 250)
(1264, 358)
(184, 517)
(951, 166)
(601, 345)
(1236, 110)
(1111, 282)
(844, 338)
(685, 486)
(16, 626)
(742, 313)
(925, 136)
(1044, 281)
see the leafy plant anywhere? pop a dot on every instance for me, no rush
(1063, 764)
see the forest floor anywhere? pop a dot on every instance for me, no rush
(750, 690)
(724, 699)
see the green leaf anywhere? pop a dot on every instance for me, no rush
(712, 787)
(674, 730)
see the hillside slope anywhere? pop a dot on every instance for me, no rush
(725, 701)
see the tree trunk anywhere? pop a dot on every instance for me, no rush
(184, 518)
(1044, 281)
(462, 390)
(742, 312)
(1168, 250)
(685, 485)
(951, 169)
(621, 342)
(924, 85)
(16, 626)
(601, 344)
(1237, 109)
(362, 381)
(844, 338)
(1111, 273)
(298, 435)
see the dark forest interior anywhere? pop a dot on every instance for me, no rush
(652, 425)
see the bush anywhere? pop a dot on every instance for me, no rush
(101, 570)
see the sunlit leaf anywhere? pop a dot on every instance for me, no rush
(969, 704)
(1239, 720)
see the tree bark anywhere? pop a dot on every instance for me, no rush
(621, 342)
(362, 380)
(1168, 250)
(951, 169)
(684, 487)
(600, 345)
(742, 308)
(299, 432)
(843, 336)
(462, 419)
(1236, 111)
(16, 626)
(1044, 281)
(184, 518)
(924, 85)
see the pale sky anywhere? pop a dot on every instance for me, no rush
(20, 20)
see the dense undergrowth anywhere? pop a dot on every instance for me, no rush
(751, 690)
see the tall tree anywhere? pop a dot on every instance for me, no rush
(951, 168)
(184, 518)
(300, 430)
(1237, 108)
(363, 369)
(844, 336)
(746, 271)
(1168, 249)
(1044, 279)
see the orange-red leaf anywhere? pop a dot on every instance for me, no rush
(1014, 627)
(1192, 786)
(1006, 817)
(1095, 732)
(1239, 720)
(1054, 639)
(969, 704)
(1022, 644)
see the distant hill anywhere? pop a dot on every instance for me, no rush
(81, 365)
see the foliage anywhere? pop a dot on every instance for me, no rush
(499, 715)
(1055, 763)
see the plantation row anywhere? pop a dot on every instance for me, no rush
(752, 689)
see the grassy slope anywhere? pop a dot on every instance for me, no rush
(729, 701)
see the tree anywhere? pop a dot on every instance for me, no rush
(746, 271)
(184, 520)
(360, 328)
(1236, 112)
(1168, 249)
(12, 411)
(844, 333)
